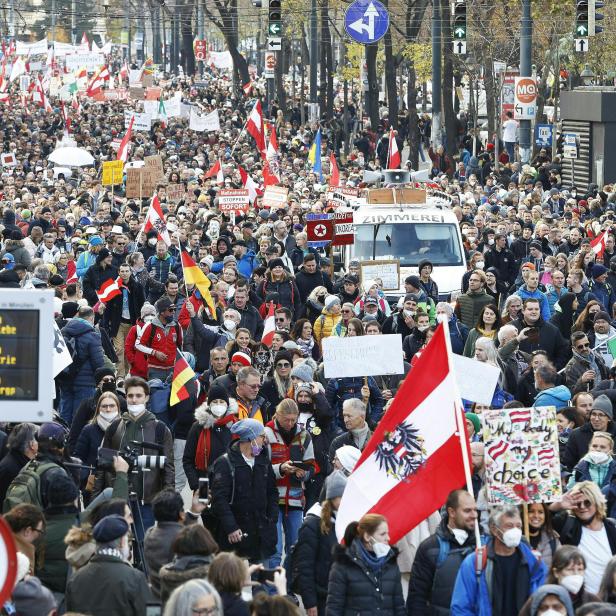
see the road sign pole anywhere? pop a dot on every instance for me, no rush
(526, 36)
(314, 50)
(436, 74)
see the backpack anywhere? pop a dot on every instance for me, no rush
(70, 372)
(153, 332)
(26, 487)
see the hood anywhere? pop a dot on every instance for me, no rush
(315, 510)
(550, 589)
(207, 420)
(11, 245)
(560, 392)
(76, 327)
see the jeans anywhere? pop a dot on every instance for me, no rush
(290, 523)
(510, 147)
(178, 453)
(70, 399)
(159, 373)
(118, 347)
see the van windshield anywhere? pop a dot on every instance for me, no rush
(409, 242)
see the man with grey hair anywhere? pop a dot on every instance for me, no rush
(358, 433)
(458, 332)
(22, 447)
(501, 578)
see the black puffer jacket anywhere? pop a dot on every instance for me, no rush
(288, 293)
(354, 590)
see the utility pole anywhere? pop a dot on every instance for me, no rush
(526, 41)
(73, 21)
(314, 53)
(53, 20)
(12, 19)
(127, 29)
(436, 73)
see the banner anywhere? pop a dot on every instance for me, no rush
(33, 49)
(143, 121)
(89, 61)
(233, 200)
(173, 107)
(209, 122)
(521, 455)
(362, 356)
(220, 59)
(63, 49)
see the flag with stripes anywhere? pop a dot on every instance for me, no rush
(520, 415)
(498, 449)
(109, 289)
(546, 455)
(184, 383)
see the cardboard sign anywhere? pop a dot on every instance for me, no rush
(402, 195)
(155, 163)
(388, 271)
(275, 197)
(362, 356)
(175, 192)
(152, 94)
(233, 200)
(137, 93)
(140, 182)
(521, 456)
(112, 172)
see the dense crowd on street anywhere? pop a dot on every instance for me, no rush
(234, 513)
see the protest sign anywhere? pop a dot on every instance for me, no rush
(362, 356)
(521, 455)
(173, 107)
(387, 270)
(31, 49)
(344, 235)
(175, 192)
(155, 163)
(143, 121)
(89, 61)
(209, 122)
(152, 94)
(112, 172)
(476, 380)
(275, 197)
(119, 94)
(141, 182)
(233, 200)
(137, 93)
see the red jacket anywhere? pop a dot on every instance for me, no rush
(158, 337)
(137, 360)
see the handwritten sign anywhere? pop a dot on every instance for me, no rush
(112, 172)
(521, 455)
(175, 192)
(275, 197)
(141, 182)
(155, 163)
(388, 271)
(143, 121)
(362, 356)
(233, 200)
(476, 380)
(199, 123)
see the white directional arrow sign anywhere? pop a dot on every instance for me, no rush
(359, 25)
(581, 45)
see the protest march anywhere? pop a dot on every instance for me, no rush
(244, 370)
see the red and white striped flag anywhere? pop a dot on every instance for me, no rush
(216, 172)
(269, 326)
(415, 454)
(393, 155)
(155, 220)
(124, 144)
(498, 449)
(247, 87)
(109, 289)
(71, 272)
(334, 176)
(521, 416)
(269, 177)
(598, 244)
(249, 184)
(254, 126)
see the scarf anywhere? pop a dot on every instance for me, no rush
(111, 552)
(371, 561)
(204, 449)
(487, 334)
(305, 346)
(591, 360)
(263, 363)
(282, 387)
(360, 436)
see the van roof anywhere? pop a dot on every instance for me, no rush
(370, 214)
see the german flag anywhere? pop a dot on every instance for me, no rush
(193, 275)
(184, 382)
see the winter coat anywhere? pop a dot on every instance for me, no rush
(94, 278)
(246, 501)
(576, 367)
(307, 282)
(288, 293)
(544, 304)
(108, 586)
(355, 590)
(585, 470)
(313, 555)
(90, 439)
(113, 312)
(477, 598)
(250, 319)
(89, 351)
(269, 391)
(504, 262)
(569, 529)
(395, 324)
(558, 396)
(233, 605)
(297, 256)
(137, 360)
(19, 252)
(579, 440)
(325, 325)
(339, 390)
(10, 466)
(86, 260)
(550, 341)
(469, 306)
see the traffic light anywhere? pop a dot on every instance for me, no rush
(459, 20)
(581, 18)
(594, 17)
(274, 26)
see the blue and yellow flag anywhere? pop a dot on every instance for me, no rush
(314, 155)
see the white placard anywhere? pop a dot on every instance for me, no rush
(173, 107)
(185, 110)
(89, 61)
(209, 122)
(220, 59)
(23, 49)
(362, 356)
(151, 108)
(143, 121)
(134, 76)
(63, 49)
(476, 380)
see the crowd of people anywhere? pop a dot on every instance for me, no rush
(225, 503)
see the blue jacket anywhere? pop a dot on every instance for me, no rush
(458, 333)
(553, 297)
(85, 260)
(245, 264)
(544, 304)
(339, 390)
(471, 597)
(604, 294)
(163, 267)
(558, 396)
(89, 351)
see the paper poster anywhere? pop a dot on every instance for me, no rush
(199, 123)
(388, 271)
(521, 455)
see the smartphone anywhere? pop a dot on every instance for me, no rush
(153, 609)
(300, 464)
(264, 575)
(204, 489)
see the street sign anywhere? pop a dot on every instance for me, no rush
(581, 45)
(525, 98)
(544, 135)
(366, 22)
(200, 50)
(459, 48)
(270, 64)
(274, 29)
(274, 44)
(570, 145)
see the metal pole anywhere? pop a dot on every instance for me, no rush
(127, 29)
(53, 20)
(73, 22)
(436, 73)
(526, 39)
(12, 19)
(314, 51)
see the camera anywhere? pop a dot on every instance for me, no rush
(131, 453)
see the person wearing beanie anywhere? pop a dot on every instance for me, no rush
(473, 425)
(586, 368)
(96, 275)
(302, 373)
(327, 322)
(600, 288)
(108, 585)
(244, 494)
(210, 436)
(315, 544)
(345, 459)
(14, 245)
(137, 359)
(277, 386)
(31, 598)
(278, 280)
(601, 332)
(88, 257)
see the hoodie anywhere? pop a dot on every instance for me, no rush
(19, 251)
(558, 396)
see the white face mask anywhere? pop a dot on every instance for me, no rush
(490, 241)
(409, 313)
(598, 457)
(572, 583)
(442, 317)
(479, 264)
(148, 319)
(218, 410)
(423, 328)
(460, 534)
(512, 537)
(551, 612)
(229, 324)
(380, 549)
(135, 409)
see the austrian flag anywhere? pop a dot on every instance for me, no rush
(155, 220)
(109, 289)
(414, 458)
(598, 244)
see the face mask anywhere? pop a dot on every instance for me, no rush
(108, 416)
(152, 242)
(423, 328)
(460, 534)
(441, 318)
(572, 583)
(228, 324)
(512, 537)
(490, 241)
(256, 449)
(218, 410)
(107, 386)
(380, 549)
(135, 409)
(551, 612)
(598, 457)
(479, 265)
(409, 313)
(305, 407)
(148, 319)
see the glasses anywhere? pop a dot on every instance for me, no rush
(283, 364)
(585, 504)
(579, 347)
(255, 386)
(280, 319)
(40, 532)
(347, 310)
(109, 406)
(205, 611)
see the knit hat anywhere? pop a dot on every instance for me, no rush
(241, 358)
(602, 316)
(247, 429)
(331, 301)
(334, 485)
(103, 253)
(413, 281)
(163, 304)
(96, 240)
(602, 403)
(529, 266)
(474, 419)
(101, 373)
(217, 392)
(535, 244)
(276, 262)
(69, 309)
(31, 598)
(348, 456)
(110, 528)
(64, 490)
(303, 372)
(302, 388)
(147, 310)
(283, 354)
(371, 301)
(26, 214)
(598, 269)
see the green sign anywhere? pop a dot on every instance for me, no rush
(275, 28)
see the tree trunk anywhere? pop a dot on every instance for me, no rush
(491, 95)
(372, 97)
(187, 36)
(390, 80)
(328, 63)
(447, 90)
(414, 135)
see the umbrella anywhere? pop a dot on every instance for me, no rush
(71, 157)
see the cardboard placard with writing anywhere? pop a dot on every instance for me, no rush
(233, 200)
(382, 196)
(133, 180)
(275, 197)
(155, 163)
(387, 270)
(175, 192)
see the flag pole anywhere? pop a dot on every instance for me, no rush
(461, 425)
(388, 150)
(241, 132)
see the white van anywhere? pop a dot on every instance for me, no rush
(410, 234)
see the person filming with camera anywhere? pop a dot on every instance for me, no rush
(151, 468)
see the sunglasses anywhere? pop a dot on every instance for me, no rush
(583, 346)
(585, 504)
(283, 364)
(280, 320)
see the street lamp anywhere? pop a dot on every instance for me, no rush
(587, 75)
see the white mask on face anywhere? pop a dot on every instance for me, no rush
(229, 324)
(598, 457)
(218, 410)
(479, 264)
(380, 549)
(442, 317)
(135, 409)
(423, 328)
(512, 537)
(551, 612)
(572, 583)
(460, 534)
